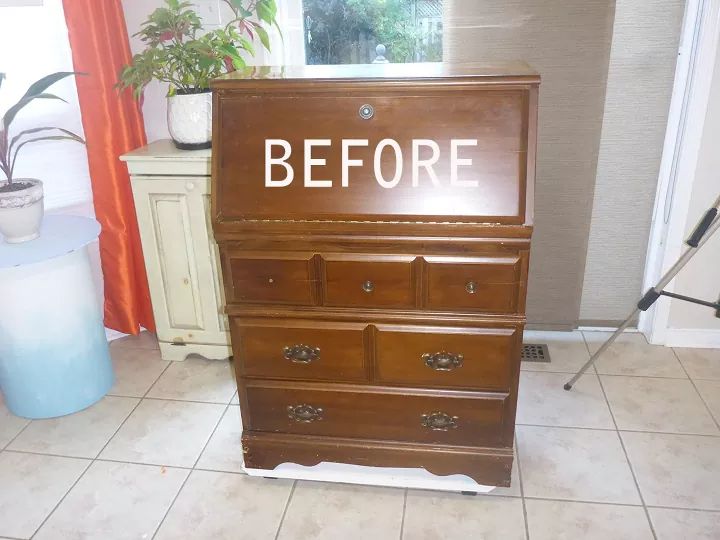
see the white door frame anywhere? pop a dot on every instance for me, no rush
(686, 120)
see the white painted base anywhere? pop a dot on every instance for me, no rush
(177, 353)
(697, 338)
(375, 476)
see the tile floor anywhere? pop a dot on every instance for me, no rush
(633, 452)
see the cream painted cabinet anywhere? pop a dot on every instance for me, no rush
(171, 189)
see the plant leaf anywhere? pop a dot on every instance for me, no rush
(263, 35)
(72, 137)
(17, 137)
(12, 111)
(41, 85)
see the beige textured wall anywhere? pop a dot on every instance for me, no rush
(568, 42)
(639, 87)
(701, 277)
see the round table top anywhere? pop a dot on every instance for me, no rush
(59, 234)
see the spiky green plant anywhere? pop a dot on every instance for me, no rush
(10, 147)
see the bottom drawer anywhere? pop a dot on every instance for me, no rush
(456, 418)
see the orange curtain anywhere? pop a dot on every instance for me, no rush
(113, 125)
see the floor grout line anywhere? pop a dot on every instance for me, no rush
(707, 407)
(628, 375)
(627, 457)
(176, 400)
(402, 519)
(709, 435)
(582, 501)
(522, 489)
(75, 483)
(287, 505)
(217, 424)
(29, 421)
(172, 503)
(227, 406)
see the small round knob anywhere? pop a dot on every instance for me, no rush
(368, 286)
(366, 112)
(189, 186)
(271, 280)
(471, 287)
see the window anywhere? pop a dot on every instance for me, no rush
(365, 31)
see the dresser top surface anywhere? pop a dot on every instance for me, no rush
(513, 72)
(164, 149)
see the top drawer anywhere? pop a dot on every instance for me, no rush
(490, 170)
(276, 278)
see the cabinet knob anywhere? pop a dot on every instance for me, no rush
(471, 287)
(366, 111)
(189, 186)
(368, 286)
(439, 421)
(442, 361)
(304, 413)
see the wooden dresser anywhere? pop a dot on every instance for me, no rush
(376, 317)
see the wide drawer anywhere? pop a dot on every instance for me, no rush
(457, 418)
(490, 284)
(477, 358)
(270, 278)
(300, 350)
(359, 280)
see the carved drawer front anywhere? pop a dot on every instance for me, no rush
(384, 281)
(471, 358)
(270, 278)
(300, 350)
(489, 284)
(376, 413)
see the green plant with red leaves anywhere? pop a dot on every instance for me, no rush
(10, 147)
(177, 52)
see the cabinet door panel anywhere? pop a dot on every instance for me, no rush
(179, 254)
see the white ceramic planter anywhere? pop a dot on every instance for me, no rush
(21, 211)
(189, 119)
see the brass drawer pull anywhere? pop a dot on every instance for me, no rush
(471, 287)
(442, 361)
(368, 286)
(439, 421)
(301, 354)
(304, 413)
(366, 112)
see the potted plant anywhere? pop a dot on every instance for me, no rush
(179, 53)
(21, 199)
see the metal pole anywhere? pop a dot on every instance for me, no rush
(667, 278)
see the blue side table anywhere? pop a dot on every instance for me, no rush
(54, 356)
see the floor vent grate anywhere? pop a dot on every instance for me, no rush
(533, 352)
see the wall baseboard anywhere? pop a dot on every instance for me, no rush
(698, 338)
